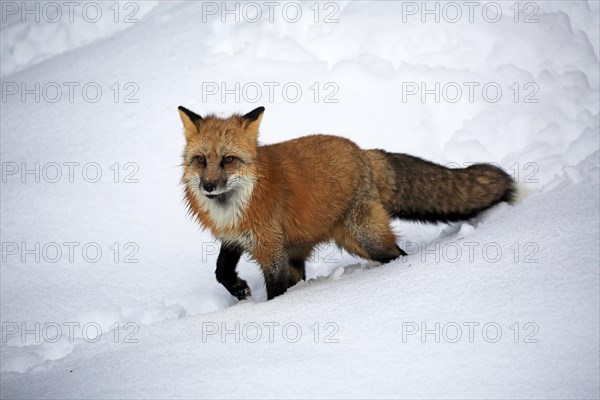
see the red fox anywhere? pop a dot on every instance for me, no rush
(277, 202)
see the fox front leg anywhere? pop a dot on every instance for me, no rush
(276, 277)
(226, 274)
(276, 270)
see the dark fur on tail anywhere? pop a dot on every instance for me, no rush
(429, 192)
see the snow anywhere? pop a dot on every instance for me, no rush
(530, 269)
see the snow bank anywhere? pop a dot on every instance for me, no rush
(480, 327)
(36, 31)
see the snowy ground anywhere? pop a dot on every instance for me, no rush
(505, 305)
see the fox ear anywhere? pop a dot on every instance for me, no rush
(254, 116)
(189, 119)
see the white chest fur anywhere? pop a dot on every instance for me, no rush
(227, 213)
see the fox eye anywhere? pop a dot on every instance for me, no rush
(228, 159)
(201, 159)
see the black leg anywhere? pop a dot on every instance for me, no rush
(277, 278)
(274, 262)
(226, 274)
(297, 270)
(276, 288)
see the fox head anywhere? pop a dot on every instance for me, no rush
(220, 156)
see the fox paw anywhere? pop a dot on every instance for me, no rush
(240, 289)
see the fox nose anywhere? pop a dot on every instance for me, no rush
(209, 187)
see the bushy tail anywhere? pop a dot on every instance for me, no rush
(429, 192)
